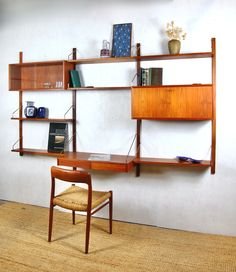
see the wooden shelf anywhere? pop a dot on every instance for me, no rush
(41, 152)
(39, 90)
(143, 58)
(177, 56)
(174, 162)
(38, 63)
(118, 59)
(42, 119)
(103, 60)
(130, 87)
(101, 88)
(117, 163)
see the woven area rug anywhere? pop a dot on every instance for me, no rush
(131, 247)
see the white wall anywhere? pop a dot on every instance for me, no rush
(171, 197)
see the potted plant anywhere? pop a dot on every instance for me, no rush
(175, 35)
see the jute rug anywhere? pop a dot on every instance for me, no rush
(131, 247)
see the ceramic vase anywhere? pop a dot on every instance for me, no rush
(30, 110)
(174, 46)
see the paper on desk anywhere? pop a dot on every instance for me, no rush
(99, 157)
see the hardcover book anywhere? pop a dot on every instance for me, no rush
(75, 79)
(57, 138)
(155, 76)
(151, 76)
(144, 76)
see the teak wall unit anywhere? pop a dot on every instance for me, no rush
(32, 76)
(178, 102)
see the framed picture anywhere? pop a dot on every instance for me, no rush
(121, 43)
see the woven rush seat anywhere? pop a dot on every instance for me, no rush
(76, 198)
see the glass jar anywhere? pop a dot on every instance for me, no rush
(30, 110)
(105, 52)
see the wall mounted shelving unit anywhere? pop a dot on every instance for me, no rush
(194, 102)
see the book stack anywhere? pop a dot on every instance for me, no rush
(151, 76)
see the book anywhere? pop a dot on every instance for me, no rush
(144, 76)
(57, 138)
(155, 76)
(151, 76)
(75, 79)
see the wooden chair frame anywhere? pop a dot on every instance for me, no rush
(75, 176)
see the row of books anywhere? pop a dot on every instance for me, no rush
(149, 77)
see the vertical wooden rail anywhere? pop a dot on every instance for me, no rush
(139, 121)
(138, 68)
(20, 111)
(74, 107)
(138, 128)
(74, 119)
(213, 126)
(74, 50)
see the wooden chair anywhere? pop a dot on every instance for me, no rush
(76, 198)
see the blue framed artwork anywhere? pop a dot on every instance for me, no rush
(121, 44)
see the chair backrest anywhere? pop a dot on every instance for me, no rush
(70, 175)
(74, 176)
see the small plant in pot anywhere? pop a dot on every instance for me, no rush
(175, 35)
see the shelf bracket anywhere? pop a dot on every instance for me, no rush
(71, 107)
(131, 147)
(73, 54)
(12, 115)
(13, 146)
(71, 139)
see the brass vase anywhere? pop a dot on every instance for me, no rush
(174, 46)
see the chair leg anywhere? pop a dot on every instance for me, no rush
(110, 212)
(87, 231)
(73, 217)
(50, 222)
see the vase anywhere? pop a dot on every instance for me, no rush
(174, 46)
(41, 112)
(30, 110)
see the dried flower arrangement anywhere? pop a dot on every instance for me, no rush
(174, 32)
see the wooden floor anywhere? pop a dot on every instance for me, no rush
(131, 247)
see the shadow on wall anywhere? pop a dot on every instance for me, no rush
(162, 171)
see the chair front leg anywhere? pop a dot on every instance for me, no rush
(50, 222)
(73, 217)
(110, 212)
(87, 231)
